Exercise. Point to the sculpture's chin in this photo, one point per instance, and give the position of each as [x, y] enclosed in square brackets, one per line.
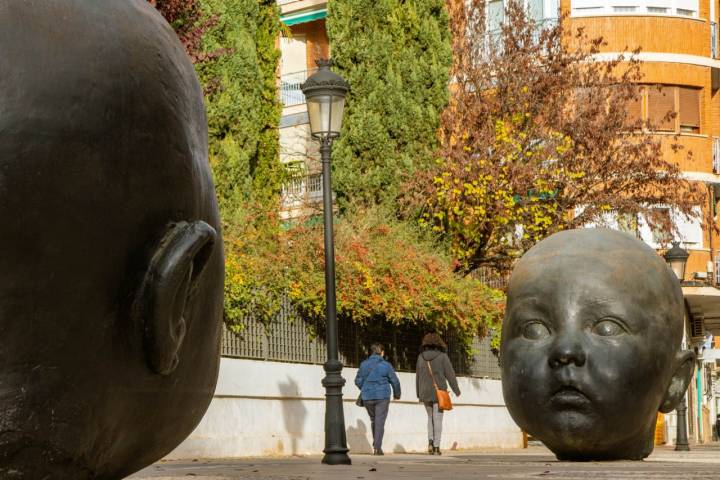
[633, 448]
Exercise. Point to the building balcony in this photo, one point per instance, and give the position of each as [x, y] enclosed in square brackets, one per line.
[292, 6]
[290, 92]
[302, 196]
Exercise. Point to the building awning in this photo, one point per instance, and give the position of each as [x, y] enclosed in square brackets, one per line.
[296, 18]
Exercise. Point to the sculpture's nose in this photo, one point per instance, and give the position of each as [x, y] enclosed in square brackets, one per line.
[567, 349]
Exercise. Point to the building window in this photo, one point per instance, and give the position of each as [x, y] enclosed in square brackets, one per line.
[538, 10]
[588, 8]
[659, 236]
[634, 112]
[689, 109]
[660, 108]
[495, 15]
[666, 108]
[689, 230]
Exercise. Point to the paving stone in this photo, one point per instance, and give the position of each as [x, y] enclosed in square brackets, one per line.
[535, 463]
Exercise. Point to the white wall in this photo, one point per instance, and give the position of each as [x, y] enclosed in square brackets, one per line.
[269, 408]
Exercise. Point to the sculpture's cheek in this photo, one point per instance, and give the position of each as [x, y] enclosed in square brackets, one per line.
[526, 380]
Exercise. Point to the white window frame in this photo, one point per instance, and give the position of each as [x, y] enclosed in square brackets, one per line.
[595, 8]
[690, 231]
[548, 6]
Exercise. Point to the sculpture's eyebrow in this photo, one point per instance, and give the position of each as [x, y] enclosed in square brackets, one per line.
[531, 302]
[600, 301]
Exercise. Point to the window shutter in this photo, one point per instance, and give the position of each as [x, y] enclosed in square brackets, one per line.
[634, 111]
[660, 102]
[689, 108]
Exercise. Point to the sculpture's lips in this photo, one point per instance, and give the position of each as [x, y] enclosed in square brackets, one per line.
[569, 396]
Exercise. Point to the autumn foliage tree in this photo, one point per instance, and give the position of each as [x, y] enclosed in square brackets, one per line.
[537, 139]
[190, 25]
[386, 271]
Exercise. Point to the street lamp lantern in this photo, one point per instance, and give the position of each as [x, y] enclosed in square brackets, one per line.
[677, 258]
[325, 94]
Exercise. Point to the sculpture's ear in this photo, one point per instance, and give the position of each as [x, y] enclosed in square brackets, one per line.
[684, 367]
[176, 265]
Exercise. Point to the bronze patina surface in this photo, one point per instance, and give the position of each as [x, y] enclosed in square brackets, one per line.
[591, 344]
[112, 264]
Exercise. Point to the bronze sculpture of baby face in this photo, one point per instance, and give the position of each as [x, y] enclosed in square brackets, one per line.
[591, 344]
[111, 264]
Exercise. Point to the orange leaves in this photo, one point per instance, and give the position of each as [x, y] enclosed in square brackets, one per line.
[384, 270]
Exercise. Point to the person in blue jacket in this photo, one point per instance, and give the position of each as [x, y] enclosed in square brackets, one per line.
[375, 377]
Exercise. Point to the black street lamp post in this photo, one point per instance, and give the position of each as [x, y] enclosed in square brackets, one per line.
[677, 258]
[325, 93]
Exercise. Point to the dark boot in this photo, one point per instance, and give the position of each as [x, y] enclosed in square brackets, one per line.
[430, 447]
[436, 451]
[378, 451]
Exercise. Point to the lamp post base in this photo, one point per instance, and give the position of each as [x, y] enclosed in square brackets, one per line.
[336, 458]
[336, 451]
[681, 438]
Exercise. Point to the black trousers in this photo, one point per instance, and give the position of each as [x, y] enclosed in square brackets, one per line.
[378, 411]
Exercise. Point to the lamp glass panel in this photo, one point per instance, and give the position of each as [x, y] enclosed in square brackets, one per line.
[678, 267]
[338, 106]
[319, 113]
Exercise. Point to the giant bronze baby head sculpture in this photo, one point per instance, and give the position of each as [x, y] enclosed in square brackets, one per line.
[591, 344]
[111, 262]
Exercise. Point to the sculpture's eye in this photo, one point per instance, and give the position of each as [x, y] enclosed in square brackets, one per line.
[608, 328]
[535, 331]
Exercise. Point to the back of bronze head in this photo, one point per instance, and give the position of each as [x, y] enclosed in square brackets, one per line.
[111, 285]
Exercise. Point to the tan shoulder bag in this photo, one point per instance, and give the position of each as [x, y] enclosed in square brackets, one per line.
[443, 397]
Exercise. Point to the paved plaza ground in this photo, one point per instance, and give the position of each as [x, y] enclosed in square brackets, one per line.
[537, 463]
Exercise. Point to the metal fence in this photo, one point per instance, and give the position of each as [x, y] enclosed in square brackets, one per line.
[290, 338]
[493, 278]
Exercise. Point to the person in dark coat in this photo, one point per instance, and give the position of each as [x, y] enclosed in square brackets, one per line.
[433, 355]
[374, 378]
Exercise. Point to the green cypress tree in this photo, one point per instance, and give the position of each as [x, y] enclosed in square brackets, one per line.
[243, 111]
[396, 55]
[243, 116]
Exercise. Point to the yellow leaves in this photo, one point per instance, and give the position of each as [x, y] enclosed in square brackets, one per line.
[296, 290]
[365, 273]
[444, 297]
